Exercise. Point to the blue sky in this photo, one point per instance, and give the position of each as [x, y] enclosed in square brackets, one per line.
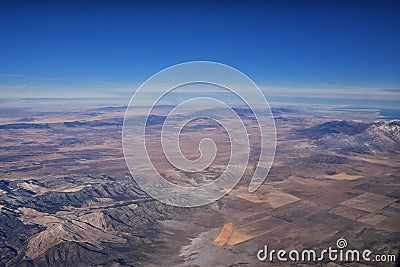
[100, 48]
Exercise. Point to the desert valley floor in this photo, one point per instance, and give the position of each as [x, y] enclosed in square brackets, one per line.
[68, 199]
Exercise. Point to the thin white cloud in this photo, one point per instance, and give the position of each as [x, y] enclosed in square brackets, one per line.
[50, 79]
[10, 75]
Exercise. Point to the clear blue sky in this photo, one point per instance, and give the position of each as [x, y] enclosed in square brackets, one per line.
[49, 46]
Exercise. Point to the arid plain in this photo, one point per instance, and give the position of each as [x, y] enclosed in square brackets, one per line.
[67, 197]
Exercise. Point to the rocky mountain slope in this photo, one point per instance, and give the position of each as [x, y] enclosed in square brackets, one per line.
[359, 137]
[86, 221]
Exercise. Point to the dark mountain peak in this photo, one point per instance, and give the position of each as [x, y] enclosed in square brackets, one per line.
[336, 127]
